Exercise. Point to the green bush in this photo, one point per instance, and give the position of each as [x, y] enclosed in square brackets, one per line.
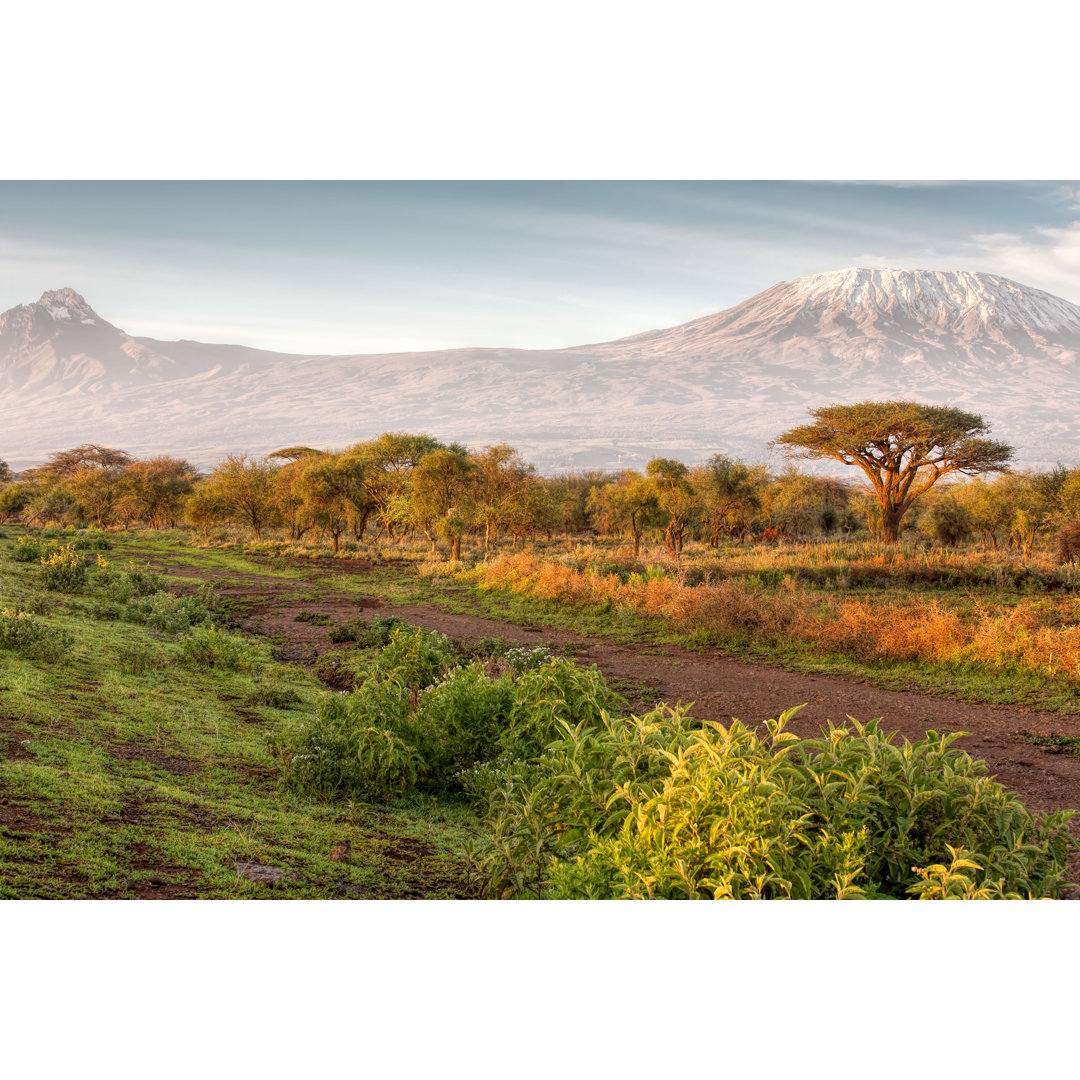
[458, 722]
[22, 633]
[524, 658]
[350, 747]
[381, 629]
[353, 630]
[653, 807]
[415, 658]
[209, 647]
[27, 549]
[91, 542]
[167, 614]
[142, 582]
[63, 570]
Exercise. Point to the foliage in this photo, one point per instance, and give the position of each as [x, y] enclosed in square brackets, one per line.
[167, 614]
[1068, 543]
[63, 570]
[27, 549]
[651, 807]
[21, 632]
[903, 447]
[210, 647]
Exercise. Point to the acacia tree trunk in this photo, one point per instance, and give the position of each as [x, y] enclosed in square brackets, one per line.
[890, 523]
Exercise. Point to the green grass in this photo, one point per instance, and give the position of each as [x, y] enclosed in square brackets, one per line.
[126, 771]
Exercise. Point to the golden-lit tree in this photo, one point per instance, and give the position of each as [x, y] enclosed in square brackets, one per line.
[903, 447]
[632, 502]
[677, 500]
[154, 491]
[245, 487]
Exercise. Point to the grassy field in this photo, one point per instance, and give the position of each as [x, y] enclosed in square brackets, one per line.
[132, 765]
[136, 720]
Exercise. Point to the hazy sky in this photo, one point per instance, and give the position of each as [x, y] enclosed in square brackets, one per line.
[377, 266]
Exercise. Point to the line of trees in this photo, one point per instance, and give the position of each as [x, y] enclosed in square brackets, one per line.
[402, 485]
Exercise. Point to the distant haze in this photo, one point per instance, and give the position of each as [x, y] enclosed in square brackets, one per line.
[725, 383]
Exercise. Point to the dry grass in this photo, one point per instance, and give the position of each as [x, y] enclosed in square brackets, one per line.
[1037, 634]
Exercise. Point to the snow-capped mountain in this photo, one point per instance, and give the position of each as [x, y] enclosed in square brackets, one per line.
[727, 382]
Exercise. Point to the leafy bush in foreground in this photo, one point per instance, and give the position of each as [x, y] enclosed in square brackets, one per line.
[579, 802]
[63, 570]
[649, 807]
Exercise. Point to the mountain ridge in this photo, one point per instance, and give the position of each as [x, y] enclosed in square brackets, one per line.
[726, 382]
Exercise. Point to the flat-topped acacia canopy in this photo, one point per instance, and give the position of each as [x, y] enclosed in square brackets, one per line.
[904, 448]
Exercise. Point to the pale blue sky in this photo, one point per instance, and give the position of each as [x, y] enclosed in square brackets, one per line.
[376, 266]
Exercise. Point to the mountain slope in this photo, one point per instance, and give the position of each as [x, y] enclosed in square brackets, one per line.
[727, 382]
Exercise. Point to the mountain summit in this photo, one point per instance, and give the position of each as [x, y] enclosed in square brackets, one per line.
[862, 318]
[727, 382]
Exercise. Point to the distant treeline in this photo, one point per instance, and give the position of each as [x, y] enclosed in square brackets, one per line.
[401, 485]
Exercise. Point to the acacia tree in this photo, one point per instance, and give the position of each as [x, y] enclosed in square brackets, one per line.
[677, 499]
[631, 502]
[154, 490]
[246, 487]
[440, 496]
[328, 483]
[730, 494]
[388, 461]
[903, 447]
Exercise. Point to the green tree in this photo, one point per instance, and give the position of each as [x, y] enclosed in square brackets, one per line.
[14, 499]
[205, 506]
[501, 476]
[632, 502]
[328, 484]
[903, 447]
[440, 499]
[154, 491]
[245, 486]
[388, 463]
[730, 494]
[677, 500]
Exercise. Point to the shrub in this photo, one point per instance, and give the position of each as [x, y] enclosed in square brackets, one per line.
[1068, 543]
[524, 658]
[167, 614]
[27, 549]
[353, 630]
[650, 807]
[107, 612]
[381, 629]
[21, 632]
[63, 570]
[91, 543]
[209, 647]
[142, 581]
[350, 747]
[415, 658]
[458, 722]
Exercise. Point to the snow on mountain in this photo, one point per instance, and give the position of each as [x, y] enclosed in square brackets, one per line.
[728, 382]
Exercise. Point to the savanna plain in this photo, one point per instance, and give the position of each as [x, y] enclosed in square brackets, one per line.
[409, 670]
